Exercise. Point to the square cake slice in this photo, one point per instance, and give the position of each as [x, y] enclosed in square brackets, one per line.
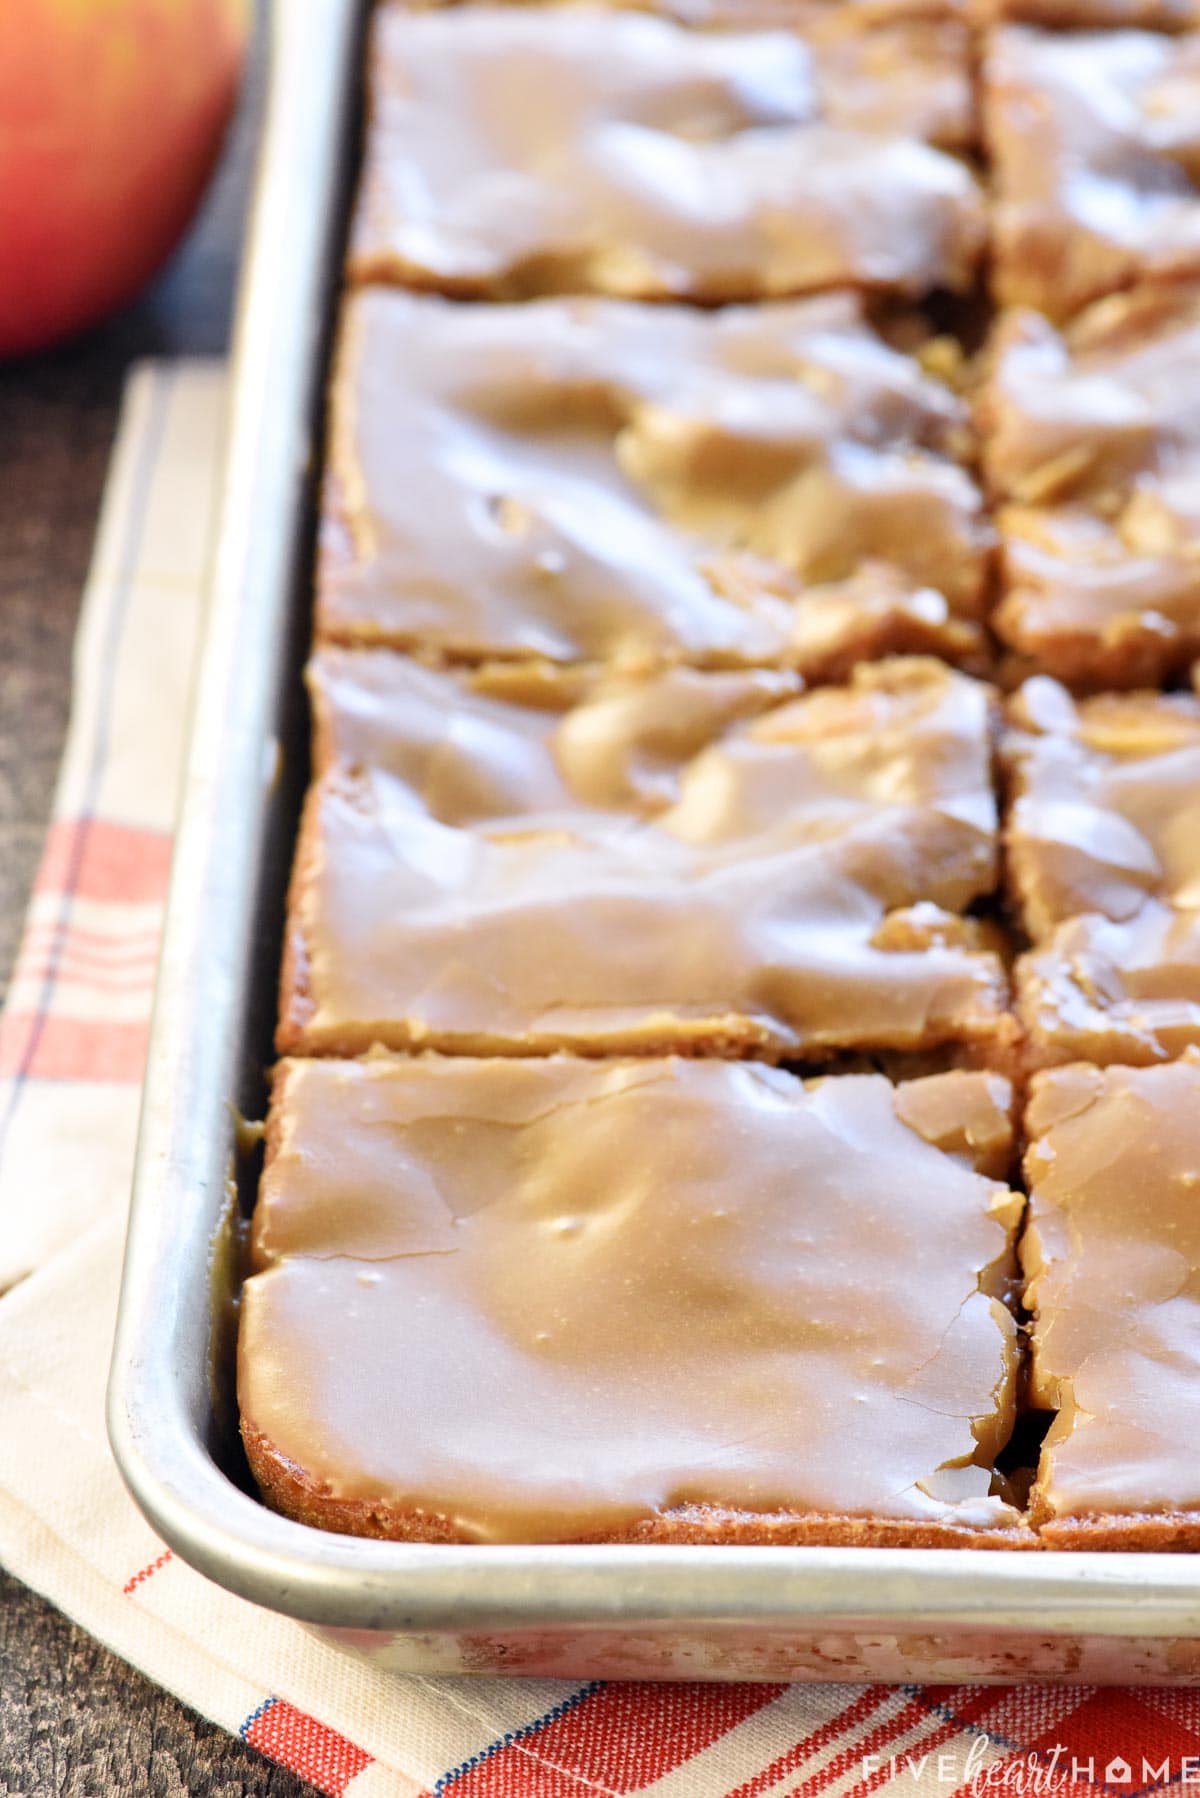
[1111, 1254]
[592, 480]
[1091, 440]
[1105, 807]
[670, 1301]
[899, 66]
[1103, 858]
[1094, 140]
[515, 861]
[1106, 991]
[513, 151]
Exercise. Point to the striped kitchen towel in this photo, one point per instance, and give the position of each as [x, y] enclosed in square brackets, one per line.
[72, 1047]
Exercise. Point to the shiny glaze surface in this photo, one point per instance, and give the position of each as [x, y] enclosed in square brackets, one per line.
[545, 1300]
[1091, 444]
[1112, 1255]
[1107, 992]
[513, 862]
[512, 152]
[1094, 141]
[1103, 857]
[1106, 803]
[590, 479]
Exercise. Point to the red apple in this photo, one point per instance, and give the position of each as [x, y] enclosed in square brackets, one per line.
[111, 116]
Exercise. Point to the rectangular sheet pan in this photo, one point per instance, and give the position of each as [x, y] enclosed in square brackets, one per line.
[720, 1613]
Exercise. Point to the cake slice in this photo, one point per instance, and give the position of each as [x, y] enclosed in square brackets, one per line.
[514, 151]
[1111, 1255]
[1103, 860]
[592, 480]
[514, 861]
[899, 66]
[1091, 446]
[1106, 991]
[1094, 141]
[902, 66]
[1105, 807]
[666, 1301]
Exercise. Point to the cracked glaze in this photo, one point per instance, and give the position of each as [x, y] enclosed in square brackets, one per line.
[553, 1299]
[1112, 1256]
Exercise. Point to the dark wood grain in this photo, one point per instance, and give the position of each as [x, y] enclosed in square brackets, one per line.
[77, 1723]
[74, 1720]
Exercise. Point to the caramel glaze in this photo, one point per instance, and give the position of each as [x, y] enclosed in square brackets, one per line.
[511, 153]
[591, 480]
[1106, 803]
[1108, 992]
[1095, 412]
[544, 1301]
[1112, 1257]
[1091, 438]
[516, 861]
[1103, 858]
[508, 1300]
[898, 66]
[1094, 141]
[1094, 606]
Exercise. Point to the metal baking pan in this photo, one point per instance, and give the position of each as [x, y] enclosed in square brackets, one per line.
[579, 1612]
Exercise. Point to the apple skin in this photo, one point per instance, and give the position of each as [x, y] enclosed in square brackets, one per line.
[111, 117]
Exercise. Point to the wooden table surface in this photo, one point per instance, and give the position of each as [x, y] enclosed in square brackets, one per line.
[74, 1720]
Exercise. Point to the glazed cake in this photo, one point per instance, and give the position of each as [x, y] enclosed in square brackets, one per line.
[1111, 1255]
[589, 479]
[1091, 448]
[755, 789]
[514, 151]
[608, 863]
[677, 1351]
[902, 66]
[1103, 857]
[1094, 141]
